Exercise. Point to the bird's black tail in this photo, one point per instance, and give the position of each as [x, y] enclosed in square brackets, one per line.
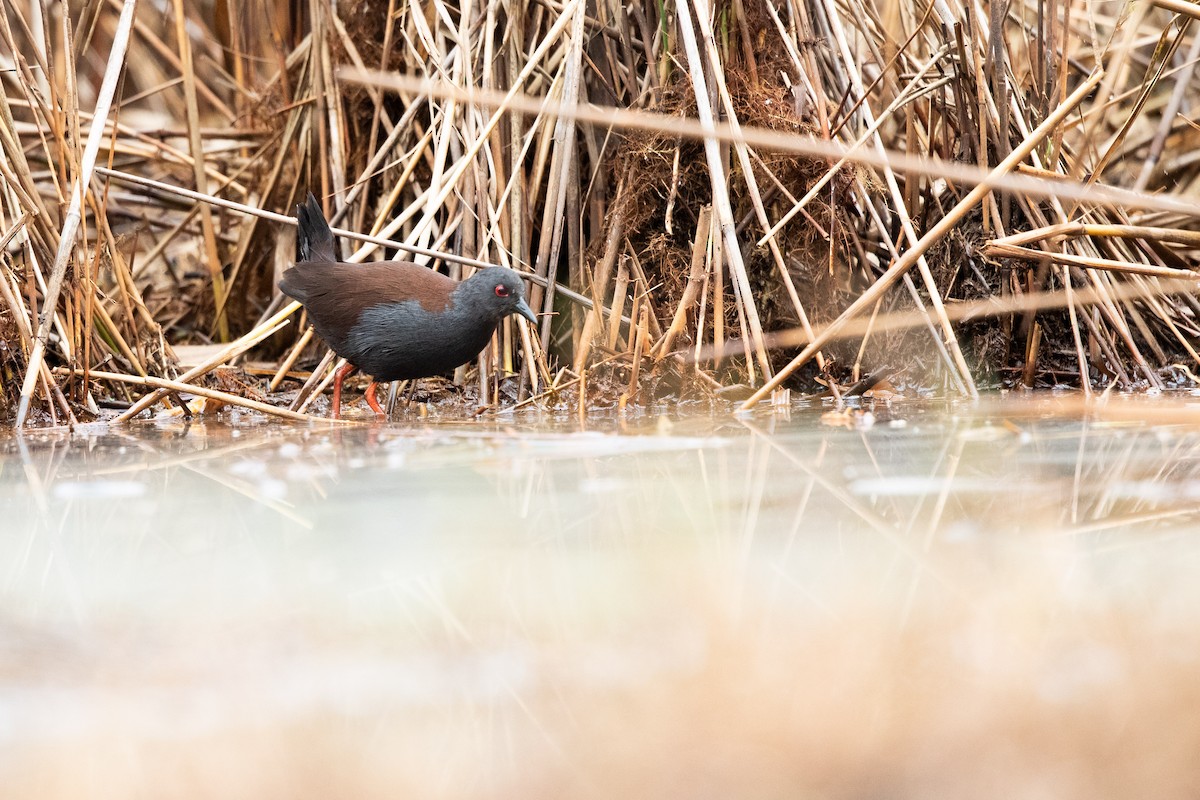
[314, 242]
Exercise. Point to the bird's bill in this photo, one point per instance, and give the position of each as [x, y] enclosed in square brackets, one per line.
[525, 311]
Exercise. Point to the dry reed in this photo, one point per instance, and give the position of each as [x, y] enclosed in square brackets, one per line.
[770, 194]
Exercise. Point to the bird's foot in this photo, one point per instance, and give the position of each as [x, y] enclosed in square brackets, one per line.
[373, 402]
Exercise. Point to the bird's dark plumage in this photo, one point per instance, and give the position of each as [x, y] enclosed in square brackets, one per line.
[396, 320]
[315, 240]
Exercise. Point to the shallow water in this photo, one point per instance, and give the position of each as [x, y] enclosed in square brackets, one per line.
[994, 600]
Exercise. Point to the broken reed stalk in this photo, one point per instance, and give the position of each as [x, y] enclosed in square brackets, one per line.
[995, 248]
[695, 283]
[1185, 7]
[1032, 185]
[161, 385]
[235, 349]
[70, 228]
[1078, 229]
[963, 311]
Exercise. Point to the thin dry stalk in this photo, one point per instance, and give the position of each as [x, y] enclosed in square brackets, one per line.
[166, 386]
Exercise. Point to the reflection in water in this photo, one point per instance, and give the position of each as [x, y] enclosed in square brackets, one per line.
[990, 603]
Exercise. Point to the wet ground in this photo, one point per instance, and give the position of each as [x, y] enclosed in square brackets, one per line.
[931, 600]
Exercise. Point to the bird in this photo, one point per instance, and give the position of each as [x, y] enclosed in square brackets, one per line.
[394, 320]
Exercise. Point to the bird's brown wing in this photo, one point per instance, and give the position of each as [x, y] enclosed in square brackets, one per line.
[336, 294]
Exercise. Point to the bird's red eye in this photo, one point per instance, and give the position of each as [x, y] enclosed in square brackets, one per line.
[502, 291]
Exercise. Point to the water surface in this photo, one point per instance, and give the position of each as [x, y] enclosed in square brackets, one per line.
[990, 601]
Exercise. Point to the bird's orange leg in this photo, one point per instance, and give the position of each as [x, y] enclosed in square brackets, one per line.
[372, 402]
[338, 377]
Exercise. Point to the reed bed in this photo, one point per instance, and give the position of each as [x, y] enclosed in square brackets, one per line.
[710, 199]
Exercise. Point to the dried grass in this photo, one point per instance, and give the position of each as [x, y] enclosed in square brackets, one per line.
[830, 140]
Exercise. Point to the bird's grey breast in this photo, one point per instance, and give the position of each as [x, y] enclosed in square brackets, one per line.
[398, 341]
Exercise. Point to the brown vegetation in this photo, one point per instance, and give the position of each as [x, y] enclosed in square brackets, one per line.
[646, 161]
